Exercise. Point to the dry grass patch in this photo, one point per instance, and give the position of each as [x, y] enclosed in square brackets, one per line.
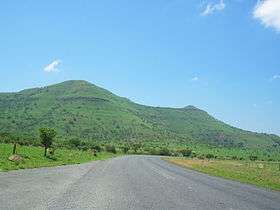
[263, 174]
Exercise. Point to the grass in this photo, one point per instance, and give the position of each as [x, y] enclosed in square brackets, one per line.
[78, 109]
[33, 157]
[259, 173]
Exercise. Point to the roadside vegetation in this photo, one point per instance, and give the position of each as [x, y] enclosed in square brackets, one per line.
[32, 157]
[260, 173]
[258, 167]
[17, 153]
[79, 109]
[92, 123]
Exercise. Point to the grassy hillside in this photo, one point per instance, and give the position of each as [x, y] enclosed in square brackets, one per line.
[82, 110]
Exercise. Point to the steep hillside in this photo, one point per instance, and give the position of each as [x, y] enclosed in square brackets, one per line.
[82, 110]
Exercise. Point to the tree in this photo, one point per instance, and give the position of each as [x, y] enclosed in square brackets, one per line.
[47, 135]
[16, 141]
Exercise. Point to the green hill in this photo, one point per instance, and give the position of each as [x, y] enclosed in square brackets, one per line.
[78, 109]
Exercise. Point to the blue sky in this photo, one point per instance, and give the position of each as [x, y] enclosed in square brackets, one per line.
[221, 56]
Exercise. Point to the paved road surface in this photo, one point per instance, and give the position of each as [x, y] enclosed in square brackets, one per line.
[131, 182]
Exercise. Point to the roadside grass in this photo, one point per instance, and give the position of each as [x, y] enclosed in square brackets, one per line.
[33, 157]
[259, 173]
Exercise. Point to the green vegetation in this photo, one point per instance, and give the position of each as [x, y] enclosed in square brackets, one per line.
[89, 120]
[263, 174]
[78, 109]
[47, 135]
[32, 157]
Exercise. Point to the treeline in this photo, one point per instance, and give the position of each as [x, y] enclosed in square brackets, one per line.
[129, 147]
[46, 138]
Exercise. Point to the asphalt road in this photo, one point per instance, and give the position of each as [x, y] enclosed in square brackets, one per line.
[130, 182]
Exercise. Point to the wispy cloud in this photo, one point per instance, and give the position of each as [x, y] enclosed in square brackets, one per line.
[194, 79]
[268, 12]
[53, 66]
[213, 7]
[275, 77]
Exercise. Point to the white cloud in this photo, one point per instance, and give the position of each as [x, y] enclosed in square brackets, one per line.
[268, 12]
[53, 66]
[194, 79]
[211, 8]
[276, 76]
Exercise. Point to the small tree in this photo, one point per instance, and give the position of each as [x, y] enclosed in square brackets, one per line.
[15, 142]
[47, 135]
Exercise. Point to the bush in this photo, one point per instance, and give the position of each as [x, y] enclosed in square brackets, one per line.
[201, 156]
[193, 155]
[186, 152]
[153, 151]
[74, 143]
[209, 156]
[111, 148]
[234, 157]
[83, 146]
[97, 148]
[165, 152]
[125, 149]
[136, 147]
[253, 157]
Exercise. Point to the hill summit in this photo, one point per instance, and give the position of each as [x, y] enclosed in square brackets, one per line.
[79, 109]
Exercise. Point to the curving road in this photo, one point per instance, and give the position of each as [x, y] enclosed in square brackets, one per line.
[130, 182]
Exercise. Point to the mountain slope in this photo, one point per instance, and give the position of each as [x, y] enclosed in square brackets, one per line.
[82, 110]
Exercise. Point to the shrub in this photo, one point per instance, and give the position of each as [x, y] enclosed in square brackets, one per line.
[193, 154]
[201, 156]
[234, 157]
[165, 152]
[111, 148]
[125, 149]
[83, 146]
[186, 152]
[74, 143]
[97, 148]
[253, 157]
[153, 151]
[270, 159]
[136, 147]
[209, 156]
